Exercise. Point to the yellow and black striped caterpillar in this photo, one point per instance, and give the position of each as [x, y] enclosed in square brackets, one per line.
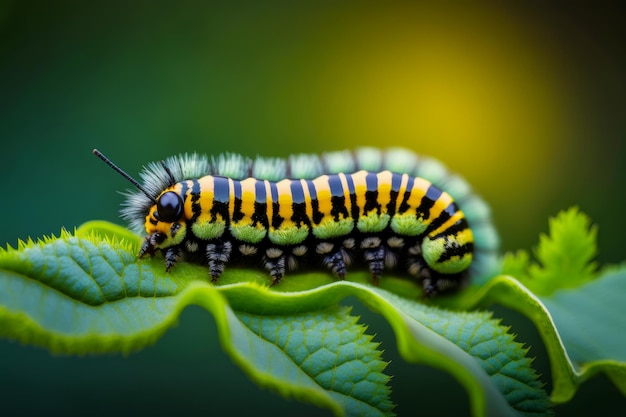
[387, 208]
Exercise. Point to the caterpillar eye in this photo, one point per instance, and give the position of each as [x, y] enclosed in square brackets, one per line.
[169, 207]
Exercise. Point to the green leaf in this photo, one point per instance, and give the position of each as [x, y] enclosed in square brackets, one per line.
[478, 351]
[78, 295]
[329, 350]
[590, 322]
[578, 313]
[83, 293]
[564, 256]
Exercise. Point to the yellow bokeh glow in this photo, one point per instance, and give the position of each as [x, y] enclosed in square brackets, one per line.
[475, 89]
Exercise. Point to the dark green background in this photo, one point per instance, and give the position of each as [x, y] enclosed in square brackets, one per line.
[526, 101]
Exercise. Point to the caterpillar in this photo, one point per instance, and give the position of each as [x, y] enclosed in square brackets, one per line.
[387, 208]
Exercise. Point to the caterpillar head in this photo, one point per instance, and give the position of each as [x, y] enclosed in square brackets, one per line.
[157, 206]
[166, 223]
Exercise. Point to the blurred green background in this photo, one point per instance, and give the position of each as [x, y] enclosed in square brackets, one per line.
[527, 101]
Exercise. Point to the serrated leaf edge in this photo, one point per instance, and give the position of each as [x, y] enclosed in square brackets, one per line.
[565, 377]
[416, 348]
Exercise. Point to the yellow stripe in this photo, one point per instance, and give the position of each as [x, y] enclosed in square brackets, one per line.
[285, 201]
[402, 190]
[323, 194]
[464, 237]
[248, 197]
[231, 198]
[448, 223]
[384, 189]
[440, 205]
[206, 195]
[268, 197]
[418, 192]
[346, 192]
[360, 187]
[186, 199]
[307, 199]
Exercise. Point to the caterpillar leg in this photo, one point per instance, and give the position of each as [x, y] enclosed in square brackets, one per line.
[374, 254]
[433, 283]
[434, 286]
[172, 255]
[417, 267]
[274, 262]
[336, 257]
[376, 262]
[217, 254]
[295, 255]
[151, 244]
[335, 263]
